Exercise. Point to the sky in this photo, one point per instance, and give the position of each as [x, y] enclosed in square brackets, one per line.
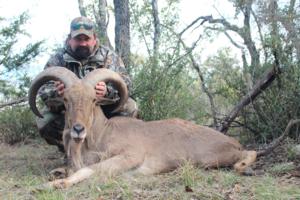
[50, 19]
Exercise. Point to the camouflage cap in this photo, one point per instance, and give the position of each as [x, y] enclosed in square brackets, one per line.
[82, 25]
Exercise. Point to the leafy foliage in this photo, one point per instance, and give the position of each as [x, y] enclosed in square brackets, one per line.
[167, 85]
[224, 79]
[164, 86]
[16, 124]
[272, 111]
[167, 92]
[14, 62]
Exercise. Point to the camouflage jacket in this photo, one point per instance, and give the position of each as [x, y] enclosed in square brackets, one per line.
[102, 57]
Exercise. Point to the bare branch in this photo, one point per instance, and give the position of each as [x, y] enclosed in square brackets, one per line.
[233, 42]
[260, 86]
[244, 32]
[190, 50]
[260, 33]
[13, 102]
[204, 19]
[195, 65]
[203, 86]
[276, 142]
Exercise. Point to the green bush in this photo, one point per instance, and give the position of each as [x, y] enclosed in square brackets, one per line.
[166, 92]
[17, 124]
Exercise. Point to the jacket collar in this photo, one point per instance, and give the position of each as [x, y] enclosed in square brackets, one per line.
[71, 58]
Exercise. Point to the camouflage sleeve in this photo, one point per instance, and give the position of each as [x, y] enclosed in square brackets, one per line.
[48, 92]
[50, 97]
[114, 62]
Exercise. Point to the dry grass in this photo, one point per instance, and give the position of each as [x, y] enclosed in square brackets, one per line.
[25, 167]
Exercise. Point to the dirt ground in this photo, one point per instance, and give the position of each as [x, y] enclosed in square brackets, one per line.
[282, 162]
[26, 166]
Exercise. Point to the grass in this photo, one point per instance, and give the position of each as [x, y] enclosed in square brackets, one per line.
[281, 168]
[25, 167]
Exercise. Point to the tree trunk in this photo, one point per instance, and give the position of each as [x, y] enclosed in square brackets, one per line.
[82, 9]
[122, 30]
[102, 22]
[157, 31]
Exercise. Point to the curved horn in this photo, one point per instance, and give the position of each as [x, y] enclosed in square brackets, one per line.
[107, 75]
[55, 73]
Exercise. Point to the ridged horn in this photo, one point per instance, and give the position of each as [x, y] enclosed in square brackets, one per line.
[107, 75]
[54, 73]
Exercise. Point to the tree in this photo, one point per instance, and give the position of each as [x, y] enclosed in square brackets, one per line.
[15, 63]
[171, 69]
[97, 10]
[122, 30]
[17, 122]
[275, 35]
[163, 86]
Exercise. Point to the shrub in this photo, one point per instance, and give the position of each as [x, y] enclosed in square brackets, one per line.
[17, 124]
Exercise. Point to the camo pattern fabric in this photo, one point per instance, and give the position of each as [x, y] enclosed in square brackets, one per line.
[101, 58]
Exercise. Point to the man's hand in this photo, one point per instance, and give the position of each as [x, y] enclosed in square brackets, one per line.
[101, 89]
[60, 87]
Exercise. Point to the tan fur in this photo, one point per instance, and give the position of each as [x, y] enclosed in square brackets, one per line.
[120, 144]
